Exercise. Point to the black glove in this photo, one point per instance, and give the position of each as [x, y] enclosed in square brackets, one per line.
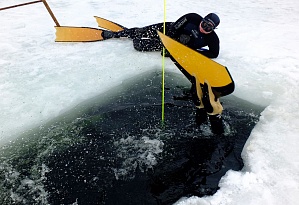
[184, 39]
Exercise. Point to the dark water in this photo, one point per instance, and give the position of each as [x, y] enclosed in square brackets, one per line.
[114, 149]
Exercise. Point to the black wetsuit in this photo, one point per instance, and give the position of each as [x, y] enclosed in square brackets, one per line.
[184, 30]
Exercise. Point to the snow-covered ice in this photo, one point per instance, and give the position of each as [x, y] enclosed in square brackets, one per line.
[40, 79]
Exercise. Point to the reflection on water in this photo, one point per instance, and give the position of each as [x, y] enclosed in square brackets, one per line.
[113, 149]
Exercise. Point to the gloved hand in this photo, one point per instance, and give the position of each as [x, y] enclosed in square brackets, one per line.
[211, 103]
[184, 39]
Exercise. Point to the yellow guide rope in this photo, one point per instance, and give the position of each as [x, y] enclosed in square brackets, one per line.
[163, 64]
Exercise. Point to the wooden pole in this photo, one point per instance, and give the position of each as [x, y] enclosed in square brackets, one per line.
[51, 13]
[24, 4]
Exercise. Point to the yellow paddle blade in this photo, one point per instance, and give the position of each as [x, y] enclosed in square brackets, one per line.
[109, 25]
[196, 64]
[77, 34]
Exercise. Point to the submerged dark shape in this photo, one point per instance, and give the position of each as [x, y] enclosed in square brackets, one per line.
[113, 149]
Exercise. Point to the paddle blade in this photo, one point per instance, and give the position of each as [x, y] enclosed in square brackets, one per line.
[77, 34]
[199, 66]
[109, 25]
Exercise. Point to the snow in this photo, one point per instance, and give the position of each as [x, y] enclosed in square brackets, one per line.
[40, 79]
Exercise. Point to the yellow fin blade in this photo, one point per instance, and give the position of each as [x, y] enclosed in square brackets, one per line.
[77, 34]
[199, 66]
[109, 25]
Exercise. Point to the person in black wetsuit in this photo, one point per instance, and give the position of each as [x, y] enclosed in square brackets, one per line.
[198, 34]
[191, 30]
